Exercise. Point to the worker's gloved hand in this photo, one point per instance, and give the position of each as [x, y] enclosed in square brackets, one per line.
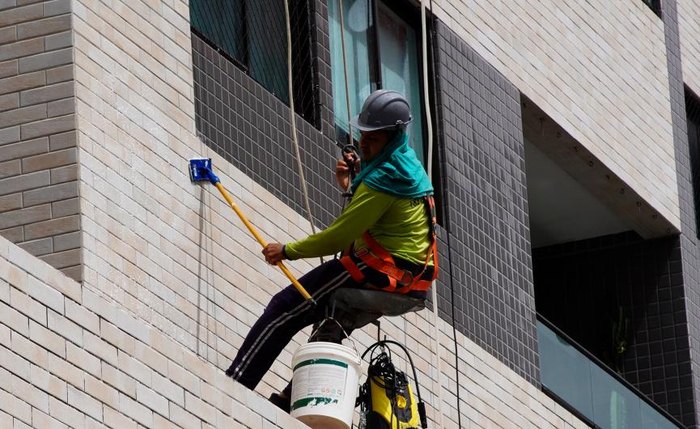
[274, 253]
[348, 163]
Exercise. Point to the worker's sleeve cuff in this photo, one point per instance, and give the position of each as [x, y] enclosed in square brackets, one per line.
[289, 252]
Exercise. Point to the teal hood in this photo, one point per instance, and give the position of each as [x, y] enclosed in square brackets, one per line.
[396, 171]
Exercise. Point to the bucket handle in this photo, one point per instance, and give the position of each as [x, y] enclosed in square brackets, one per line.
[354, 346]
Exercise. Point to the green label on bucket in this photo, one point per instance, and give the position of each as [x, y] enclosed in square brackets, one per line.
[321, 361]
[313, 401]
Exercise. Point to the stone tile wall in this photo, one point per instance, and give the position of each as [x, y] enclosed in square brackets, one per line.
[39, 204]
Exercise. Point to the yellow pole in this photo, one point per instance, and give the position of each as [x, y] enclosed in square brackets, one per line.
[262, 242]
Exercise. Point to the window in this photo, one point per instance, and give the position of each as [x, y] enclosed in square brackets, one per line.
[692, 107]
[252, 34]
[382, 52]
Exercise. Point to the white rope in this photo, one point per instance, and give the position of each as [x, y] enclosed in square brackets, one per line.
[429, 124]
[293, 120]
[345, 66]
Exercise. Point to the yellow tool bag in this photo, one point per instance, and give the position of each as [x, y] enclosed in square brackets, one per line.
[386, 398]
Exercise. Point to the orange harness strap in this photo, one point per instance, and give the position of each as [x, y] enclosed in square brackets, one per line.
[377, 258]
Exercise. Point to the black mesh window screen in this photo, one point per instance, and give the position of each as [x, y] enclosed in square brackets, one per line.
[253, 34]
[692, 106]
[304, 78]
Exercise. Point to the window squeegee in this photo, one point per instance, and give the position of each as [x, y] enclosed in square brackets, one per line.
[201, 171]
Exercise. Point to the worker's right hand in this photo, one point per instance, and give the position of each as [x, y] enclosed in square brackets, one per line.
[342, 169]
[274, 253]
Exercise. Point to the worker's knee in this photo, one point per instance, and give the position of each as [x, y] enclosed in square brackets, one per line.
[288, 299]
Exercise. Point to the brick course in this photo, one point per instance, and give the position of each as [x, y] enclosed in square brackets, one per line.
[598, 70]
[36, 107]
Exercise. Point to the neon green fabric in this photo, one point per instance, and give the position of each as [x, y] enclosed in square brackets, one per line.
[400, 225]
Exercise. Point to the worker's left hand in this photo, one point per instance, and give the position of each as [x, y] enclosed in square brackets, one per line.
[274, 253]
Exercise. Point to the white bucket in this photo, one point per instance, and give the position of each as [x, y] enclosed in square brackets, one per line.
[325, 383]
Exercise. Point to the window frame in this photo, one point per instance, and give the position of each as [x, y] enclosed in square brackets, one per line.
[692, 110]
[411, 16]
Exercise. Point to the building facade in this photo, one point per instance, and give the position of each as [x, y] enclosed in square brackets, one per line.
[562, 138]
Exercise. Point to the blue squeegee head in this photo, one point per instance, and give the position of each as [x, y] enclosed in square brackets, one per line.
[200, 169]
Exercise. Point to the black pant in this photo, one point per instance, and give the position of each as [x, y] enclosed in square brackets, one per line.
[288, 313]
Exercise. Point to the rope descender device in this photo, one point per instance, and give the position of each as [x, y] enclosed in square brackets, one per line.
[201, 171]
[351, 150]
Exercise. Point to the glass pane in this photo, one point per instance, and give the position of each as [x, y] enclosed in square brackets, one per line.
[614, 406]
[591, 389]
[221, 22]
[267, 28]
[398, 52]
[652, 419]
[565, 371]
[357, 18]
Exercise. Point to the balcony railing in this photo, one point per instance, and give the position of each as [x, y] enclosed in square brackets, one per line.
[590, 389]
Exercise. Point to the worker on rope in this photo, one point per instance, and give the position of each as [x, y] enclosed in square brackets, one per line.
[386, 231]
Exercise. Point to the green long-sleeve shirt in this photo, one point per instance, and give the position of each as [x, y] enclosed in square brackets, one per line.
[400, 225]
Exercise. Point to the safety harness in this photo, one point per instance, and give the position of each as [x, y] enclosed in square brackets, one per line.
[376, 257]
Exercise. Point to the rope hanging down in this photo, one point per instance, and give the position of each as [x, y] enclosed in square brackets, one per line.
[429, 123]
[292, 117]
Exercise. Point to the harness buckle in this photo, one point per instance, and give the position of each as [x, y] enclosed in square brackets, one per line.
[406, 279]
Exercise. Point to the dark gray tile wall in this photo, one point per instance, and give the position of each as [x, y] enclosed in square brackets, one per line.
[581, 286]
[483, 170]
[250, 127]
[688, 238]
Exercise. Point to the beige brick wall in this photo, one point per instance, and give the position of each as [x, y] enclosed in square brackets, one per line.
[689, 26]
[597, 68]
[69, 358]
[141, 217]
[39, 202]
